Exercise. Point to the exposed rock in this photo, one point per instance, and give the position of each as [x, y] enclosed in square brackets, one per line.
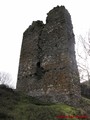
[48, 68]
[85, 89]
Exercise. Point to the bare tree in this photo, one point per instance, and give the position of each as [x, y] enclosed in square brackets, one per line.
[5, 78]
[83, 56]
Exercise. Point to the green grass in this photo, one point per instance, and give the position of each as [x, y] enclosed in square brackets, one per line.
[17, 106]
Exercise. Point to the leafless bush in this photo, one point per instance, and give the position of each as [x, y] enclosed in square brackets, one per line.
[5, 79]
[83, 56]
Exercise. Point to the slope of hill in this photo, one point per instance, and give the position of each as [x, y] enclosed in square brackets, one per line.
[17, 106]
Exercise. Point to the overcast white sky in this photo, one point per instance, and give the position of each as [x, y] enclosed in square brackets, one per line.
[17, 15]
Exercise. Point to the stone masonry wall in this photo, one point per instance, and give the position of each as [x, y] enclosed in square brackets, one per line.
[48, 68]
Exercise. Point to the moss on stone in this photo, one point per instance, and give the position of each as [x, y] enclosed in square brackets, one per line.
[17, 106]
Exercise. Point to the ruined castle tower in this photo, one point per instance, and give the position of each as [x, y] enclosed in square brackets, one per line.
[48, 68]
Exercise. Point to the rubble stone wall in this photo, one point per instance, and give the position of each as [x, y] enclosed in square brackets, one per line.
[48, 68]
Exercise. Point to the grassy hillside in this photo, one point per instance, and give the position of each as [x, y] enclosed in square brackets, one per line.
[17, 106]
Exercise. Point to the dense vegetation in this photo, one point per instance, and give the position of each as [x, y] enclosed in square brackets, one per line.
[17, 106]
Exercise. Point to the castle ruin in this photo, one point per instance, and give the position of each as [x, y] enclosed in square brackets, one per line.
[48, 68]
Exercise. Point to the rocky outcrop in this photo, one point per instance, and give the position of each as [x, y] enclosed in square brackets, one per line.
[85, 89]
[48, 68]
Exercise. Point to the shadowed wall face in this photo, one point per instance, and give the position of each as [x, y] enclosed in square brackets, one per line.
[48, 68]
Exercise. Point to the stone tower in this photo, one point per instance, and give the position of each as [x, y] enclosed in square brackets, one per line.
[48, 68]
